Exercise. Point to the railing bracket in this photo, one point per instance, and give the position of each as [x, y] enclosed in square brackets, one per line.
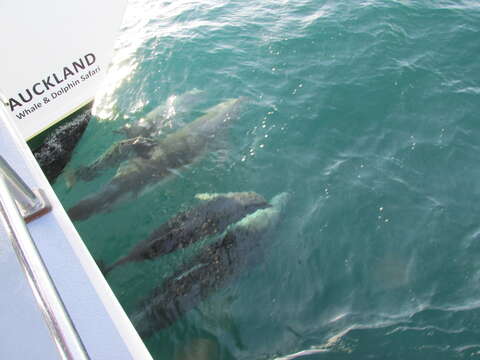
[43, 206]
[31, 203]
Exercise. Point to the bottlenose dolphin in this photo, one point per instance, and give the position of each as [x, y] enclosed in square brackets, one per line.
[162, 116]
[154, 160]
[211, 216]
[209, 270]
[141, 135]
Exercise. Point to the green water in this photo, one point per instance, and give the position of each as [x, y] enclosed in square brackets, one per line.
[367, 113]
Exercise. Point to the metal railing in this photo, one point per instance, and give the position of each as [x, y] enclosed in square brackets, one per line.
[18, 205]
[30, 203]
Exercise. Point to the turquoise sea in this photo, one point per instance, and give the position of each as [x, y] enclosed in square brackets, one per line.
[367, 113]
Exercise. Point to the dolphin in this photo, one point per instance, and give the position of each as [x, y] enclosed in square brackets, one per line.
[209, 270]
[154, 160]
[211, 216]
[140, 135]
[163, 115]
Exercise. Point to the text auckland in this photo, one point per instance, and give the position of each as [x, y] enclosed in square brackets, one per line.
[51, 81]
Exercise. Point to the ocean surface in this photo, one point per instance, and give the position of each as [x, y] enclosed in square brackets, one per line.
[367, 113]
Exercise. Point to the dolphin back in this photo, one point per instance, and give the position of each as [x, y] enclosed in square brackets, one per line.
[210, 217]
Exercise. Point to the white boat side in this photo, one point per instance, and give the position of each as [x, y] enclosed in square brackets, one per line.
[103, 327]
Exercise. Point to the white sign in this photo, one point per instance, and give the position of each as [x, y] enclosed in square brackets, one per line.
[53, 55]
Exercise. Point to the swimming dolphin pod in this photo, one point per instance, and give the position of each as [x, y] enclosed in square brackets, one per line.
[211, 216]
[151, 160]
[209, 270]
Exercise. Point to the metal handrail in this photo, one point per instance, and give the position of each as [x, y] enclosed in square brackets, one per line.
[58, 321]
[17, 201]
[31, 203]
